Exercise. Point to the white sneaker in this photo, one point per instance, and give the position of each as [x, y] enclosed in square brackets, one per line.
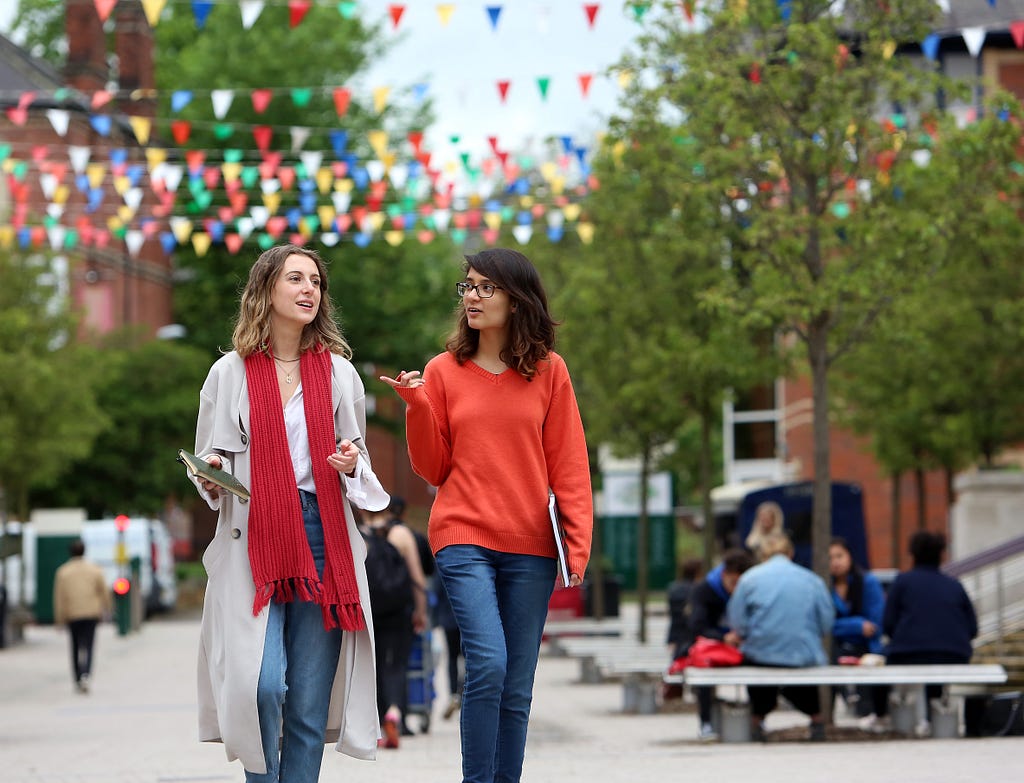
[873, 723]
[923, 729]
[707, 733]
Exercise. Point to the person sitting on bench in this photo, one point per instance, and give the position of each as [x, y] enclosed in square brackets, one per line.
[781, 611]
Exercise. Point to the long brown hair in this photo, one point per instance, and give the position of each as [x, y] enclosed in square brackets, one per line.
[531, 328]
[252, 327]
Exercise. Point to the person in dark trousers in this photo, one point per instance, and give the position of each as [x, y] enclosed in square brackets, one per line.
[928, 616]
[678, 594]
[444, 617]
[81, 598]
[706, 616]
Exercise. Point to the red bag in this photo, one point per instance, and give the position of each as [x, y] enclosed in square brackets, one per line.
[706, 653]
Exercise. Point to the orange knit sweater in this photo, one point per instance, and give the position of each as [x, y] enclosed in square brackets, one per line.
[492, 445]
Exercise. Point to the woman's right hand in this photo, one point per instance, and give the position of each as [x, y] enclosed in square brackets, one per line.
[209, 486]
[404, 380]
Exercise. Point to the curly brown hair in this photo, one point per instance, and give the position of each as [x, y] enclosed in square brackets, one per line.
[531, 328]
[252, 326]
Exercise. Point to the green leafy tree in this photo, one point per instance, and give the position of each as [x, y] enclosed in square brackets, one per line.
[783, 101]
[149, 396]
[48, 410]
[39, 25]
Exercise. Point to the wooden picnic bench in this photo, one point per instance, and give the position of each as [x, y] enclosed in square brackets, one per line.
[968, 674]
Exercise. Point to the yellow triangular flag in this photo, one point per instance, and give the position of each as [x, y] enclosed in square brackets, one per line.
[272, 201]
[181, 227]
[586, 232]
[343, 185]
[888, 49]
[376, 220]
[153, 9]
[141, 126]
[493, 220]
[326, 214]
[155, 156]
[201, 243]
[324, 178]
[60, 195]
[380, 98]
[95, 172]
[231, 171]
[6, 237]
[378, 142]
[444, 13]
[121, 185]
[571, 211]
[394, 238]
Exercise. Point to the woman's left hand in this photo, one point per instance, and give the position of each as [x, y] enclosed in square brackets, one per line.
[575, 580]
[345, 458]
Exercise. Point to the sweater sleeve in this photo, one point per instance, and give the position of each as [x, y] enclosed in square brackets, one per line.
[565, 451]
[427, 431]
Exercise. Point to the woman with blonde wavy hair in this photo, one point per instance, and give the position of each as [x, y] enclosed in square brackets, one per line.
[768, 522]
[286, 659]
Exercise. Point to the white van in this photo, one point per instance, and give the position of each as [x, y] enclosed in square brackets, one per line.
[149, 541]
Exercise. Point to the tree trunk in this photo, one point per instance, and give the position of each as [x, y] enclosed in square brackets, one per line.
[705, 489]
[642, 545]
[897, 503]
[821, 522]
[922, 508]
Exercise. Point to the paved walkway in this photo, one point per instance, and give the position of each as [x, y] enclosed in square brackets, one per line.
[138, 726]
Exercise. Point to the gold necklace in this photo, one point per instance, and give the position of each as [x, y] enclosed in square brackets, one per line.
[287, 375]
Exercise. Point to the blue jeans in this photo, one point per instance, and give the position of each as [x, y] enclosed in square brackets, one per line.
[500, 601]
[300, 658]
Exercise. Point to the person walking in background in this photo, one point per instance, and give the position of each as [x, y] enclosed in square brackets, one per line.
[398, 594]
[81, 598]
[706, 616]
[780, 612]
[286, 659]
[768, 521]
[859, 602]
[493, 423]
[929, 618]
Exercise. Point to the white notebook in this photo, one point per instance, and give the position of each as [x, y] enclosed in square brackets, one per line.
[560, 543]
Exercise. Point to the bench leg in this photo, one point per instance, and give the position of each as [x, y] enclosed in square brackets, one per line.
[734, 721]
[590, 672]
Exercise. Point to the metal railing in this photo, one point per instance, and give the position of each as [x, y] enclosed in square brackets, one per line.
[994, 579]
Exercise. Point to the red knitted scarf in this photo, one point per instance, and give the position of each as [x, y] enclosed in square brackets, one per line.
[282, 563]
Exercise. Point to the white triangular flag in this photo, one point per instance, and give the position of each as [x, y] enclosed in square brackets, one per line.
[259, 216]
[79, 158]
[55, 210]
[56, 235]
[441, 218]
[375, 169]
[330, 238]
[221, 100]
[48, 182]
[244, 226]
[341, 201]
[398, 175]
[974, 37]
[251, 10]
[522, 234]
[133, 198]
[299, 137]
[311, 162]
[134, 240]
[59, 119]
[172, 176]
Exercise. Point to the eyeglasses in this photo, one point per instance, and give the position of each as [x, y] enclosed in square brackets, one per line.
[483, 290]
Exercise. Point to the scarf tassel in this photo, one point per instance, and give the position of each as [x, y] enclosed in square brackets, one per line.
[285, 591]
[348, 617]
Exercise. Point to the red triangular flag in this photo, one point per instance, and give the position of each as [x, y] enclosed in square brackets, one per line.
[416, 140]
[755, 73]
[1017, 31]
[297, 10]
[181, 130]
[233, 243]
[342, 98]
[395, 11]
[503, 89]
[591, 10]
[104, 7]
[286, 175]
[262, 134]
[688, 6]
[585, 79]
[261, 100]
[493, 141]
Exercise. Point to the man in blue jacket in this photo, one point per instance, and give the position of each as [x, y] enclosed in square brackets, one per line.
[781, 611]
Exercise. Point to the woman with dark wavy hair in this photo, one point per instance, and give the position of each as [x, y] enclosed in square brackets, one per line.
[493, 424]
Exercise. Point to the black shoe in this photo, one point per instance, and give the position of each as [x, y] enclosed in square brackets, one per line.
[817, 732]
[757, 732]
[406, 731]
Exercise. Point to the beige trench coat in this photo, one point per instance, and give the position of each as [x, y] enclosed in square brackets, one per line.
[231, 638]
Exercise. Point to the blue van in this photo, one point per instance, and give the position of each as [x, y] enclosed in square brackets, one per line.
[796, 500]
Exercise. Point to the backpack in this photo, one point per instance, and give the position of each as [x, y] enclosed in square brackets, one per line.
[387, 575]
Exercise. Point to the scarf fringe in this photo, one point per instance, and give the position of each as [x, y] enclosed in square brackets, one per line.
[347, 617]
[285, 591]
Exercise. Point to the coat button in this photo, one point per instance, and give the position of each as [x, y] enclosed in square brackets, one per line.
[245, 438]
[236, 533]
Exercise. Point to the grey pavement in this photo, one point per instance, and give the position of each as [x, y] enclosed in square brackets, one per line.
[138, 726]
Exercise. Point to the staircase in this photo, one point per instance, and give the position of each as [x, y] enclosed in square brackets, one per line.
[994, 579]
[1010, 653]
